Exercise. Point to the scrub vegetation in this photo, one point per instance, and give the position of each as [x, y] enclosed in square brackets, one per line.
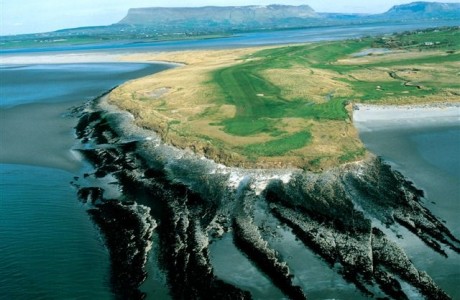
[291, 105]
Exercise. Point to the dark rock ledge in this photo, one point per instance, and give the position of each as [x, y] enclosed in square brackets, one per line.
[127, 229]
[249, 240]
[320, 208]
[181, 218]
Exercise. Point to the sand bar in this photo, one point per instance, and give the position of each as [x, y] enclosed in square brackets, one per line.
[59, 58]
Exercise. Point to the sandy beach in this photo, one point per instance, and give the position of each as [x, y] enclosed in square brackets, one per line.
[372, 117]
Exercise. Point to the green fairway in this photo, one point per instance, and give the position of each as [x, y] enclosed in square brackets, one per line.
[259, 102]
[256, 98]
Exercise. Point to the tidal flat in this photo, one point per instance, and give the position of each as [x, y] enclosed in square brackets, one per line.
[423, 143]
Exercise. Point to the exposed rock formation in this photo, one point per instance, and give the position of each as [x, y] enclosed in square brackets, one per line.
[336, 214]
[127, 229]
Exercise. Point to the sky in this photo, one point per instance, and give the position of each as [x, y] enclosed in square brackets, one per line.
[33, 16]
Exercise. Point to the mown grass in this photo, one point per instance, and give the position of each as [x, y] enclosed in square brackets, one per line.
[257, 99]
[247, 126]
[260, 106]
[374, 91]
[350, 155]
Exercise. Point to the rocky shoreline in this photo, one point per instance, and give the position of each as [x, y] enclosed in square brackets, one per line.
[338, 214]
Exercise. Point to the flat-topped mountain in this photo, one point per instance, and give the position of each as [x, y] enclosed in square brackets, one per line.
[221, 18]
[426, 9]
[213, 15]
[213, 19]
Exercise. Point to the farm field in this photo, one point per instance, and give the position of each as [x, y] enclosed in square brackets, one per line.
[290, 105]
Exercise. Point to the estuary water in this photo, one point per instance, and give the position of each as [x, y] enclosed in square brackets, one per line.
[49, 247]
[312, 34]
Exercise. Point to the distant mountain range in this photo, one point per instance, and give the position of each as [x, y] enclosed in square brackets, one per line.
[229, 15]
[160, 23]
[272, 16]
[221, 18]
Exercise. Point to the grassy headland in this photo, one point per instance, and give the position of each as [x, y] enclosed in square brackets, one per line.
[291, 105]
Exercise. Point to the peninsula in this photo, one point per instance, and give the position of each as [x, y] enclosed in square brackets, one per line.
[258, 112]
[291, 105]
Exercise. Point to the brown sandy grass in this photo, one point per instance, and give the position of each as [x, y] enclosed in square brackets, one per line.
[307, 83]
[428, 80]
[445, 75]
[185, 90]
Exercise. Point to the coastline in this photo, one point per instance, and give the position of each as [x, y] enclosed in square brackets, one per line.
[278, 114]
[157, 102]
[222, 198]
[422, 143]
[41, 132]
[241, 177]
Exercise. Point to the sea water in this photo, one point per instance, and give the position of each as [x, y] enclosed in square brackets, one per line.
[250, 39]
[49, 247]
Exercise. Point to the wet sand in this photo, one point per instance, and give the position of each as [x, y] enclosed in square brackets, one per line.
[35, 126]
[38, 135]
[378, 117]
[423, 143]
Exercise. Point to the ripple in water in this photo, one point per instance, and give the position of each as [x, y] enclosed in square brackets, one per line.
[39, 213]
